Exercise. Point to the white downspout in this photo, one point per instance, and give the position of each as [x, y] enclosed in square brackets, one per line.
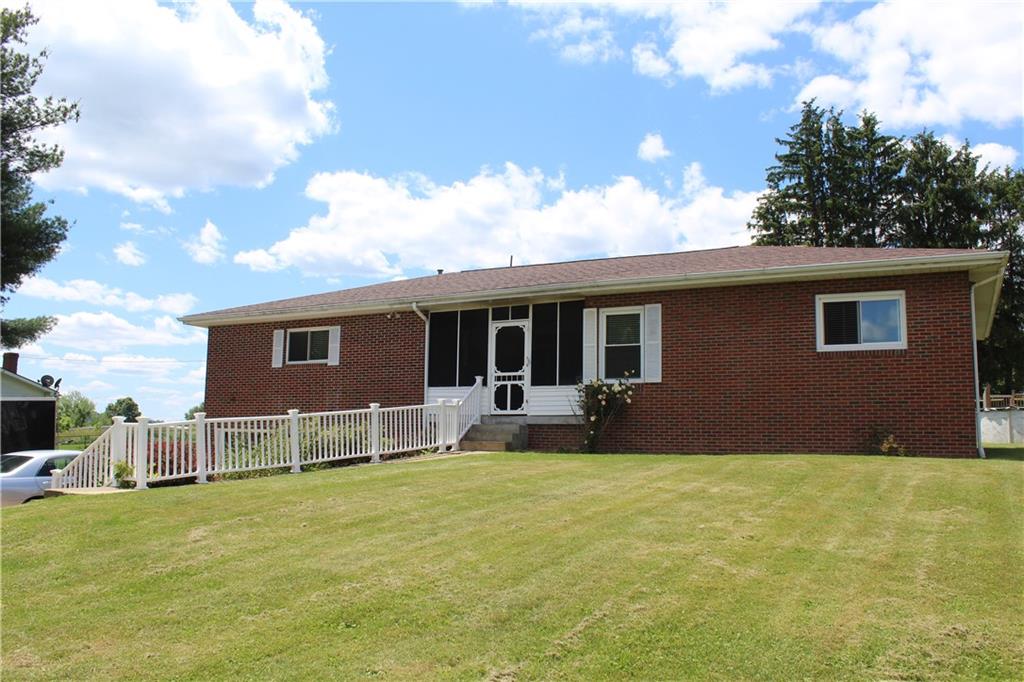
[977, 378]
[426, 351]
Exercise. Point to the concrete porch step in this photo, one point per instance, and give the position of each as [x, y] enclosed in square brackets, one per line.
[489, 436]
[485, 445]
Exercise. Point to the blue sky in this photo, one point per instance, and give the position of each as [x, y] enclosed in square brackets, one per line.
[231, 154]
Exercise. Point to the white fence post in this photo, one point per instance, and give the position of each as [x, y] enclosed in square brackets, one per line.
[141, 452]
[293, 439]
[442, 424]
[200, 418]
[118, 432]
[452, 418]
[56, 478]
[118, 444]
[374, 432]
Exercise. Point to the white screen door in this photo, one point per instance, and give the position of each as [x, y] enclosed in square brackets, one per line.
[510, 367]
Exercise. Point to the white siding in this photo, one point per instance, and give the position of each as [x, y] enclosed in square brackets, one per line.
[552, 401]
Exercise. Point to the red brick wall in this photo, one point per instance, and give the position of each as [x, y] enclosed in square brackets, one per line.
[381, 361]
[741, 373]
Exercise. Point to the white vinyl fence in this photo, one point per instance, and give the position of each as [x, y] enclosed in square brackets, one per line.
[1002, 426]
[200, 447]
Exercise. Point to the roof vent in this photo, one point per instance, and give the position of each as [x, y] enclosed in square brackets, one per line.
[440, 271]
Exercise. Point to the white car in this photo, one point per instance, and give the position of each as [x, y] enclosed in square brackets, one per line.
[25, 475]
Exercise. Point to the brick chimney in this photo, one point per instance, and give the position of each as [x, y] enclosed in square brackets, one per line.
[11, 362]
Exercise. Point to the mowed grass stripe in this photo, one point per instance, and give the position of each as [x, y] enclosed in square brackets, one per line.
[531, 566]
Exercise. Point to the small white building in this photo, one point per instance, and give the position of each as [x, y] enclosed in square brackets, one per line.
[28, 411]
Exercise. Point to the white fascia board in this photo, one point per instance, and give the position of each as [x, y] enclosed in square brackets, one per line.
[871, 268]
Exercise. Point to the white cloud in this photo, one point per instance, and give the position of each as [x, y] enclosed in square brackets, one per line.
[915, 63]
[716, 42]
[648, 62]
[91, 291]
[132, 227]
[206, 247]
[380, 227]
[992, 153]
[713, 217]
[995, 155]
[105, 331]
[164, 386]
[180, 97]
[579, 38]
[652, 148]
[128, 253]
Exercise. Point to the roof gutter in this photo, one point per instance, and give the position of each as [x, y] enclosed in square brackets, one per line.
[677, 281]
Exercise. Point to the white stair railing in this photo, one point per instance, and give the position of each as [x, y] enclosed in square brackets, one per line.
[200, 447]
[469, 409]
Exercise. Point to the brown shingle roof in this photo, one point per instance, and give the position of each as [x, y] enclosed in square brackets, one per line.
[582, 273]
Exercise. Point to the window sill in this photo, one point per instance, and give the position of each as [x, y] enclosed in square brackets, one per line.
[861, 347]
[306, 362]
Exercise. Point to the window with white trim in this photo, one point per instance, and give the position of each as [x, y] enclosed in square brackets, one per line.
[308, 345]
[622, 347]
[873, 320]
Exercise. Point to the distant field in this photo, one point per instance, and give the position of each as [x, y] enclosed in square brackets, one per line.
[79, 439]
[531, 566]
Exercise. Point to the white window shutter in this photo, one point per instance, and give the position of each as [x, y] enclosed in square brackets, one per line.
[334, 347]
[278, 358]
[652, 342]
[589, 344]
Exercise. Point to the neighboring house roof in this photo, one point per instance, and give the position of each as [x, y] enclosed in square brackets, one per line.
[712, 267]
[14, 387]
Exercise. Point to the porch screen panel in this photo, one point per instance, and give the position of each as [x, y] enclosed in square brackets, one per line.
[544, 355]
[570, 343]
[442, 357]
[473, 326]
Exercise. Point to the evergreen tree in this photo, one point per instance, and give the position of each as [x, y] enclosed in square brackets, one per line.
[832, 185]
[941, 202]
[29, 237]
[839, 185]
[792, 211]
[876, 167]
[1001, 356]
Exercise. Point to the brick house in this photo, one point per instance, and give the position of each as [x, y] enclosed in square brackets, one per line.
[743, 349]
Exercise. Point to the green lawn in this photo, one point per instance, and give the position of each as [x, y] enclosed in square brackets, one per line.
[530, 566]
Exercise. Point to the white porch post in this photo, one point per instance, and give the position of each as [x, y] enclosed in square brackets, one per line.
[118, 444]
[118, 433]
[452, 419]
[293, 440]
[200, 419]
[375, 432]
[442, 424]
[141, 452]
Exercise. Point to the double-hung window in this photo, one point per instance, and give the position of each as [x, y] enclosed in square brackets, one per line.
[308, 345]
[622, 347]
[875, 320]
